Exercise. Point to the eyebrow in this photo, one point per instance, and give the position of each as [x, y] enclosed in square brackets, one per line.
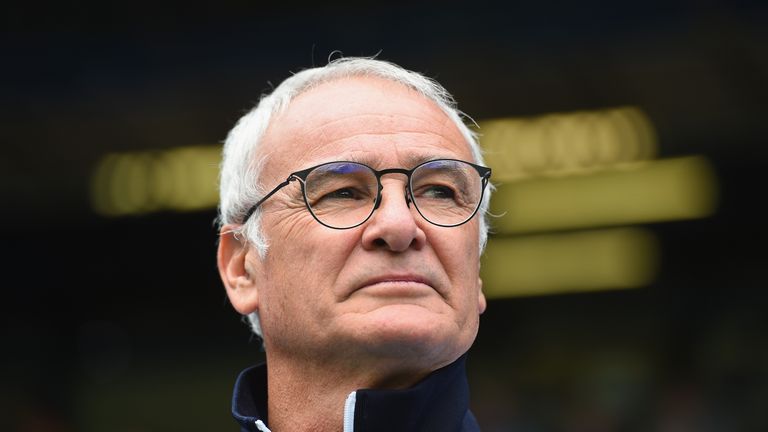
[410, 161]
[414, 160]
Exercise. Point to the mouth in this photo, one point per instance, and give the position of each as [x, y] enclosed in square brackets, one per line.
[397, 285]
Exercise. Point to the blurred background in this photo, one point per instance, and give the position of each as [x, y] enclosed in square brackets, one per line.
[625, 275]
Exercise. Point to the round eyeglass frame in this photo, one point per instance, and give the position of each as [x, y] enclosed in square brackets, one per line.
[301, 176]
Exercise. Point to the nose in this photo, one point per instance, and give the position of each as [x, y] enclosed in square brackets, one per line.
[393, 226]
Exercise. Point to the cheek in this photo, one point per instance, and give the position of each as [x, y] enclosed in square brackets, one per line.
[306, 258]
[458, 250]
[322, 251]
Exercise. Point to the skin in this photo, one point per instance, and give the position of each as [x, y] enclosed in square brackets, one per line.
[377, 306]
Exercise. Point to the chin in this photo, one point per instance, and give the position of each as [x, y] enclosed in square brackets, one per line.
[411, 332]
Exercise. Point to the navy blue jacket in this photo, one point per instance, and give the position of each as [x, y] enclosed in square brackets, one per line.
[439, 403]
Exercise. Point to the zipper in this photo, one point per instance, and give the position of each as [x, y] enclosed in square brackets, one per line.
[349, 412]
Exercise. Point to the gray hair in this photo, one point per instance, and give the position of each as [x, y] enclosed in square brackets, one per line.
[241, 168]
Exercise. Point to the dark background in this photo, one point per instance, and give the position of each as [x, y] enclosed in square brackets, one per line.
[121, 324]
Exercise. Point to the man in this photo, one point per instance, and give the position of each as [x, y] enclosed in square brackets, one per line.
[352, 211]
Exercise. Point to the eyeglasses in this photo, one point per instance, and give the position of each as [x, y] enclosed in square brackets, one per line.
[343, 195]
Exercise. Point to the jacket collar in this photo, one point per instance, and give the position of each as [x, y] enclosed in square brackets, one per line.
[440, 402]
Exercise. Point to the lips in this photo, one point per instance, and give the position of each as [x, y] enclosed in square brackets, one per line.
[395, 279]
[396, 284]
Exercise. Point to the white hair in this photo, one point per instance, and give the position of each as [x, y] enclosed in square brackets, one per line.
[241, 168]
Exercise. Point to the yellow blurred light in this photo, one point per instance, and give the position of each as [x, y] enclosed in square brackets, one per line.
[564, 144]
[181, 179]
[134, 184]
[619, 258]
[124, 192]
[101, 195]
[178, 167]
[652, 191]
[163, 187]
[204, 183]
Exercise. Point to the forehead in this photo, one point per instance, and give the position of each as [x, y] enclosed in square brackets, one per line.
[367, 119]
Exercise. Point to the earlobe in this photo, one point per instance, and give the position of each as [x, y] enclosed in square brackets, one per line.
[240, 283]
[481, 303]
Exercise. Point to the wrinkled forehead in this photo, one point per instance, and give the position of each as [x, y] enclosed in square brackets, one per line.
[370, 115]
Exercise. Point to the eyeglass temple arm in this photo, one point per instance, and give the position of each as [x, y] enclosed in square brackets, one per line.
[258, 203]
[486, 177]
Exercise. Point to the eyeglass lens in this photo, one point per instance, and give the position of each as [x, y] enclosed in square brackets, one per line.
[343, 194]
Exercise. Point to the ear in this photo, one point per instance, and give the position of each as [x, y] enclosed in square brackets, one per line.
[481, 304]
[236, 273]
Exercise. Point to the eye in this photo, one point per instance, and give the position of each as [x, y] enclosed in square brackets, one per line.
[345, 196]
[343, 193]
[436, 192]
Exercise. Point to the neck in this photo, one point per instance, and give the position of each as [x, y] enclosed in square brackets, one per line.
[304, 395]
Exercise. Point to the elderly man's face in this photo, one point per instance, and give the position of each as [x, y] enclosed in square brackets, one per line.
[395, 289]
